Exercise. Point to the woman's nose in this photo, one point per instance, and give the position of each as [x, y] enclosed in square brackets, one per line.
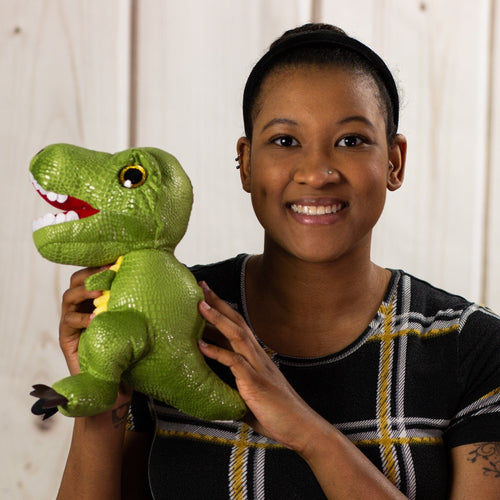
[316, 172]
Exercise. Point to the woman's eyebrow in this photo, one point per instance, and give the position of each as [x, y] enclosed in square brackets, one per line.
[356, 118]
[279, 121]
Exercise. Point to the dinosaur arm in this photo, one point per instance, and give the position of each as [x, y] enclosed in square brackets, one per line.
[103, 280]
[100, 281]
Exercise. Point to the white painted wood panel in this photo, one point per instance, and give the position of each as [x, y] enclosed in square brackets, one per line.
[492, 271]
[190, 77]
[433, 227]
[64, 79]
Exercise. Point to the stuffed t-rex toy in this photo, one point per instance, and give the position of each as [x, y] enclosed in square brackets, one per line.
[130, 208]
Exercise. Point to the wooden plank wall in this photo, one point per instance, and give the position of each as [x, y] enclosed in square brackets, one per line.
[109, 74]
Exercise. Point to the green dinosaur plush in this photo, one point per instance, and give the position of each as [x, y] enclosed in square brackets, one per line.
[131, 208]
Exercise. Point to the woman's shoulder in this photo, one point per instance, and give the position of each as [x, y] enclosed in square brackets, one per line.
[430, 300]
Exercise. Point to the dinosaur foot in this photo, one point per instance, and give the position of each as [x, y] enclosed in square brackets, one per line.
[48, 400]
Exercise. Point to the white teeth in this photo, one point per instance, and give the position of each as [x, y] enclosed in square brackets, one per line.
[51, 219]
[71, 215]
[51, 196]
[48, 219]
[60, 218]
[317, 209]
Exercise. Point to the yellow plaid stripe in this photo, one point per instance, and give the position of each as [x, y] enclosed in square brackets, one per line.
[435, 332]
[399, 441]
[388, 454]
[492, 393]
[237, 468]
[215, 439]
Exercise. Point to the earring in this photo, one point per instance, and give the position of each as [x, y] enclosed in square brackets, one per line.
[237, 159]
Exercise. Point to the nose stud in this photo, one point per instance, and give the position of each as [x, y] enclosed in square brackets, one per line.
[330, 172]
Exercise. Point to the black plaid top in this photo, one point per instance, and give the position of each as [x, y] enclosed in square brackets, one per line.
[424, 377]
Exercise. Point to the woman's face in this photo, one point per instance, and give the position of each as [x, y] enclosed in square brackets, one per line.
[311, 121]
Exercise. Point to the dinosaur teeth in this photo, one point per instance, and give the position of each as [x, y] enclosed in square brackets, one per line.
[50, 195]
[73, 209]
[51, 219]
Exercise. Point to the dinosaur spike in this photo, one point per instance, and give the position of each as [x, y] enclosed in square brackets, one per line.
[48, 401]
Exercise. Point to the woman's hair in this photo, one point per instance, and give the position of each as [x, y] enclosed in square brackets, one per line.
[322, 44]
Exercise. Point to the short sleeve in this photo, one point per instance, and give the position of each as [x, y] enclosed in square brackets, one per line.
[477, 418]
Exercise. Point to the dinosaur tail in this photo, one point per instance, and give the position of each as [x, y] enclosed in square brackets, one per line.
[80, 395]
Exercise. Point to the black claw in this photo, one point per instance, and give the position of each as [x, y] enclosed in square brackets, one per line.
[48, 401]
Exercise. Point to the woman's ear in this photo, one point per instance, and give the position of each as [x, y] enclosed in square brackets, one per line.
[243, 149]
[397, 161]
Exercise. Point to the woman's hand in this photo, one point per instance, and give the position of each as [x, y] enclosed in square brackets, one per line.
[76, 315]
[276, 410]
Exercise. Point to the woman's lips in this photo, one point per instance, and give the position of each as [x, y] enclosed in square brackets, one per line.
[316, 212]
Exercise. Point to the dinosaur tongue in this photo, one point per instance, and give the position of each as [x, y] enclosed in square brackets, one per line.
[68, 203]
[82, 208]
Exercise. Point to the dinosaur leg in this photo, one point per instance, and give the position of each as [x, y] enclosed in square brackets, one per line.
[112, 342]
[183, 379]
[211, 398]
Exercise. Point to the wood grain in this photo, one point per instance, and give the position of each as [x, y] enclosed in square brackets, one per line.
[192, 106]
[434, 226]
[171, 74]
[63, 80]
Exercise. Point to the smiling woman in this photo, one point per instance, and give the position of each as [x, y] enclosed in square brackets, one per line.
[360, 380]
[314, 120]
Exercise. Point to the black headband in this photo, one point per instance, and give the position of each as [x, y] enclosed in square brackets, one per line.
[322, 37]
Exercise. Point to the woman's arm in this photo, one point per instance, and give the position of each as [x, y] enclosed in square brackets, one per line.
[476, 471]
[340, 467]
[93, 468]
[94, 465]
[277, 411]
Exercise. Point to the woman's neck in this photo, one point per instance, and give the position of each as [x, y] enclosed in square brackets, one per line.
[312, 309]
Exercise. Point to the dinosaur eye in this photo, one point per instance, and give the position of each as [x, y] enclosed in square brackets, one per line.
[132, 176]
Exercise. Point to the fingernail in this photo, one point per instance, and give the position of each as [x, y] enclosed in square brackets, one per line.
[204, 305]
[202, 343]
[204, 286]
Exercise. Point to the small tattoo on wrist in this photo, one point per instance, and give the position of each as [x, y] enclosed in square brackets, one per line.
[119, 415]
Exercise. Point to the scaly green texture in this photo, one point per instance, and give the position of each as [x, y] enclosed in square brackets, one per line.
[134, 204]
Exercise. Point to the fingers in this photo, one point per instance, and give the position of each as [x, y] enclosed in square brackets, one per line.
[236, 362]
[76, 314]
[212, 335]
[226, 319]
[78, 278]
[78, 299]
[244, 352]
[240, 338]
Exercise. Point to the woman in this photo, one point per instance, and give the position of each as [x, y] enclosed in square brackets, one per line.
[359, 380]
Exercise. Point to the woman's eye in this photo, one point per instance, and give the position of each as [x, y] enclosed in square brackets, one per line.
[285, 141]
[351, 141]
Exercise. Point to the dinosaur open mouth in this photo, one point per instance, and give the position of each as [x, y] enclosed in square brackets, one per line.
[72, 208]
